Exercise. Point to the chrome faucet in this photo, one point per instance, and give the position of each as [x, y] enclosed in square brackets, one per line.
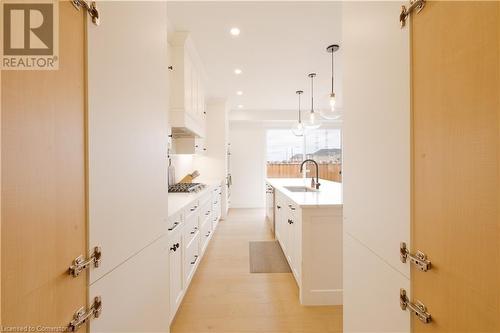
[313, 183]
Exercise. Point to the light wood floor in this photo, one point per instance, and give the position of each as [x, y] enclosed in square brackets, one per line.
[224, 297]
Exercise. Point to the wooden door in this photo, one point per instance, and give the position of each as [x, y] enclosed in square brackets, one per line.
[43, 184]
[456, 184]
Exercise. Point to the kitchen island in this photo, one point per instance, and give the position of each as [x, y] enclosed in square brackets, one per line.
[308, 227]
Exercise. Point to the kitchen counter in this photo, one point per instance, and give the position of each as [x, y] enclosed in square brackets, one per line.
[329, 194]
[179, 201]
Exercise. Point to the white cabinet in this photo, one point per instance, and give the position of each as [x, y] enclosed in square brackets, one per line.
[294, 221]
[135, 294]
[270, 206]
[190, 231]
[187, 102]
[279, 212]
[126, 196]
[311, 239]
[216, 206]
[176, 271]
[127, 125]
[205, 222]
[288, 232]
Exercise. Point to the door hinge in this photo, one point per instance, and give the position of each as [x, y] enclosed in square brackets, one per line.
[83, 315]
[419, 259]
[79, 263]
[415, 5]
[90, 7]
[419, 309]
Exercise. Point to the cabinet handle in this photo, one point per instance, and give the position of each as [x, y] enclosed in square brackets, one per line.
[290, 221]
[208, 234]
[173, 226]
[279, 207]
[194, 230]
[174, 247]
[195, 259]
[207, 213]
[193, 208]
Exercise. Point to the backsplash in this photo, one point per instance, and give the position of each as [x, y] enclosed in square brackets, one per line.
[183, 165]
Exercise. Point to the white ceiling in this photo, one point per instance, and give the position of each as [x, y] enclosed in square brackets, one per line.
[280, 43]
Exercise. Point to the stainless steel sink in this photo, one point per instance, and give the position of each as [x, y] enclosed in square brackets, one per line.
[300, 189]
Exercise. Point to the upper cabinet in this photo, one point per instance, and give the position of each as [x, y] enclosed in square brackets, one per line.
[187, 88]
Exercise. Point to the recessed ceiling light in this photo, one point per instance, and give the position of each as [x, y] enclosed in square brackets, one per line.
[239, 93]
[234, 31]
[238, 71]
[240, 106]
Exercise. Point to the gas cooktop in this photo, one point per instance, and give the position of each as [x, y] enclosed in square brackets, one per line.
[186, 187]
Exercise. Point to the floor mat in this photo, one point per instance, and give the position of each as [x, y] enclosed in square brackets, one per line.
[267, 257]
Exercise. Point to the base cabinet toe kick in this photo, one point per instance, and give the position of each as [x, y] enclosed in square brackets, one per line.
[190, 231]
[311, 239]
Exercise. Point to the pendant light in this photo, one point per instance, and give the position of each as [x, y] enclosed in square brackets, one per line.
[298, 128]
[331, 113]
[313, 121]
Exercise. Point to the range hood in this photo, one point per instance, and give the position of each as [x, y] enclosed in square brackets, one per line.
[182, 133]
[185, 125]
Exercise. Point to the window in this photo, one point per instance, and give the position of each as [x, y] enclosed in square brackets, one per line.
[285, 153]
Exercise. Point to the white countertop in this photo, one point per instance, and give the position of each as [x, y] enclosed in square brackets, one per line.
[179, 201]
[329, 194]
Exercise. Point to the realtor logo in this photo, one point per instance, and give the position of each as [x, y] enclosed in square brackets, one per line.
[30, 35]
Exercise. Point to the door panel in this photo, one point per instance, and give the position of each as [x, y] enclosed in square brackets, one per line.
[135, 295]
[128, 130]
[370, 292]
[43, 184]
[176, 273]
[456, 221]
[376, 163]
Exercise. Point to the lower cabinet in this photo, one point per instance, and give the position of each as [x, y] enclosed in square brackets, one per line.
[311, 240]
[189, 234]
[216, 206]
[134, 294]
[192, 254]
[280, 226]
[288, 232]
[176, 277]
[205, 233]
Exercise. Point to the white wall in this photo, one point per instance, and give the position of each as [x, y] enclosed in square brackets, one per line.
[248, 165]
[376, 172]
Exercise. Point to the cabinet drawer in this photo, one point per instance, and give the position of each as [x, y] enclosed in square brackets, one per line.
[174, 222]
[205, 200]
[205, 213]
[191, 229]
[191, 210]
[206, 232]
[191, 257]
